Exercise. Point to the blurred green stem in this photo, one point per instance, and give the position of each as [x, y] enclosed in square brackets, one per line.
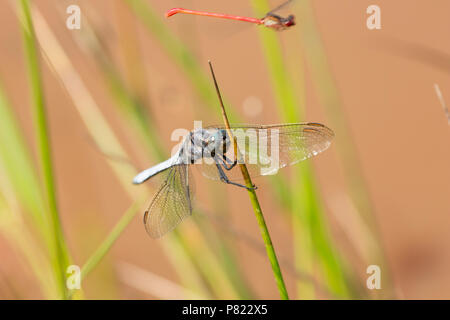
[19, 169]
[106, 245]
[59, 254]
[109, 241]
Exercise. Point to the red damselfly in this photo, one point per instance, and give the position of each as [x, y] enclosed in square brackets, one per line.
[270, 20]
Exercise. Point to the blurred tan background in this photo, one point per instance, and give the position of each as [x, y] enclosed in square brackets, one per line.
[385, 80]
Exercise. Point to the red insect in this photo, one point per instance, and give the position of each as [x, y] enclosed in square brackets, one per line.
[270, 20]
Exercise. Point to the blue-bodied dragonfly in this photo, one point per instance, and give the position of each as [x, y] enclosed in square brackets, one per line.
[210, 149]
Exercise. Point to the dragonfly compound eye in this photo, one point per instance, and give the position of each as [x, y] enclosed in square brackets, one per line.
[290, 21]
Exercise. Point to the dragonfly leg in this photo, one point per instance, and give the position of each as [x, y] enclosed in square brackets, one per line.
[224, 163]
[224, 178]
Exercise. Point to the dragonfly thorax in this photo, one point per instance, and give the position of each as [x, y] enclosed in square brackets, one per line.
[204, 143]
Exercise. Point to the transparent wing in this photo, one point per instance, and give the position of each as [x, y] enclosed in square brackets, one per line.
[265, 149]
[281, 6]
[171, 204]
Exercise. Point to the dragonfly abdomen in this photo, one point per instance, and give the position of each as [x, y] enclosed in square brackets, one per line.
[150, 172]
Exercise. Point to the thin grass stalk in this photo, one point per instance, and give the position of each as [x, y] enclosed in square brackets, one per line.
[266, 236]
[255, 203]
[59, 252]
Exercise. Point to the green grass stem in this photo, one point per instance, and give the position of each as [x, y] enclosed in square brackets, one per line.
[18, 165]
[111, 238]
[60, 258]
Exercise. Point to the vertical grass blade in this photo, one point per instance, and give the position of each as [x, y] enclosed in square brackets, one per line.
[59, 252]
[19, 170]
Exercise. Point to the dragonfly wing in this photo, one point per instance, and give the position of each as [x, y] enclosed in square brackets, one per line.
[279, 7]
[265, 149]
[208, 170]
[297, 142]
[171, 204]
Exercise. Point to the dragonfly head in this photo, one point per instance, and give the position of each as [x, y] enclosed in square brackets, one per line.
[214, 141]
[289, 21]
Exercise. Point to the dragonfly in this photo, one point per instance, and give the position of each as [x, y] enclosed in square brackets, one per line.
[270, 20]
[207, 148]
[216, 154]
